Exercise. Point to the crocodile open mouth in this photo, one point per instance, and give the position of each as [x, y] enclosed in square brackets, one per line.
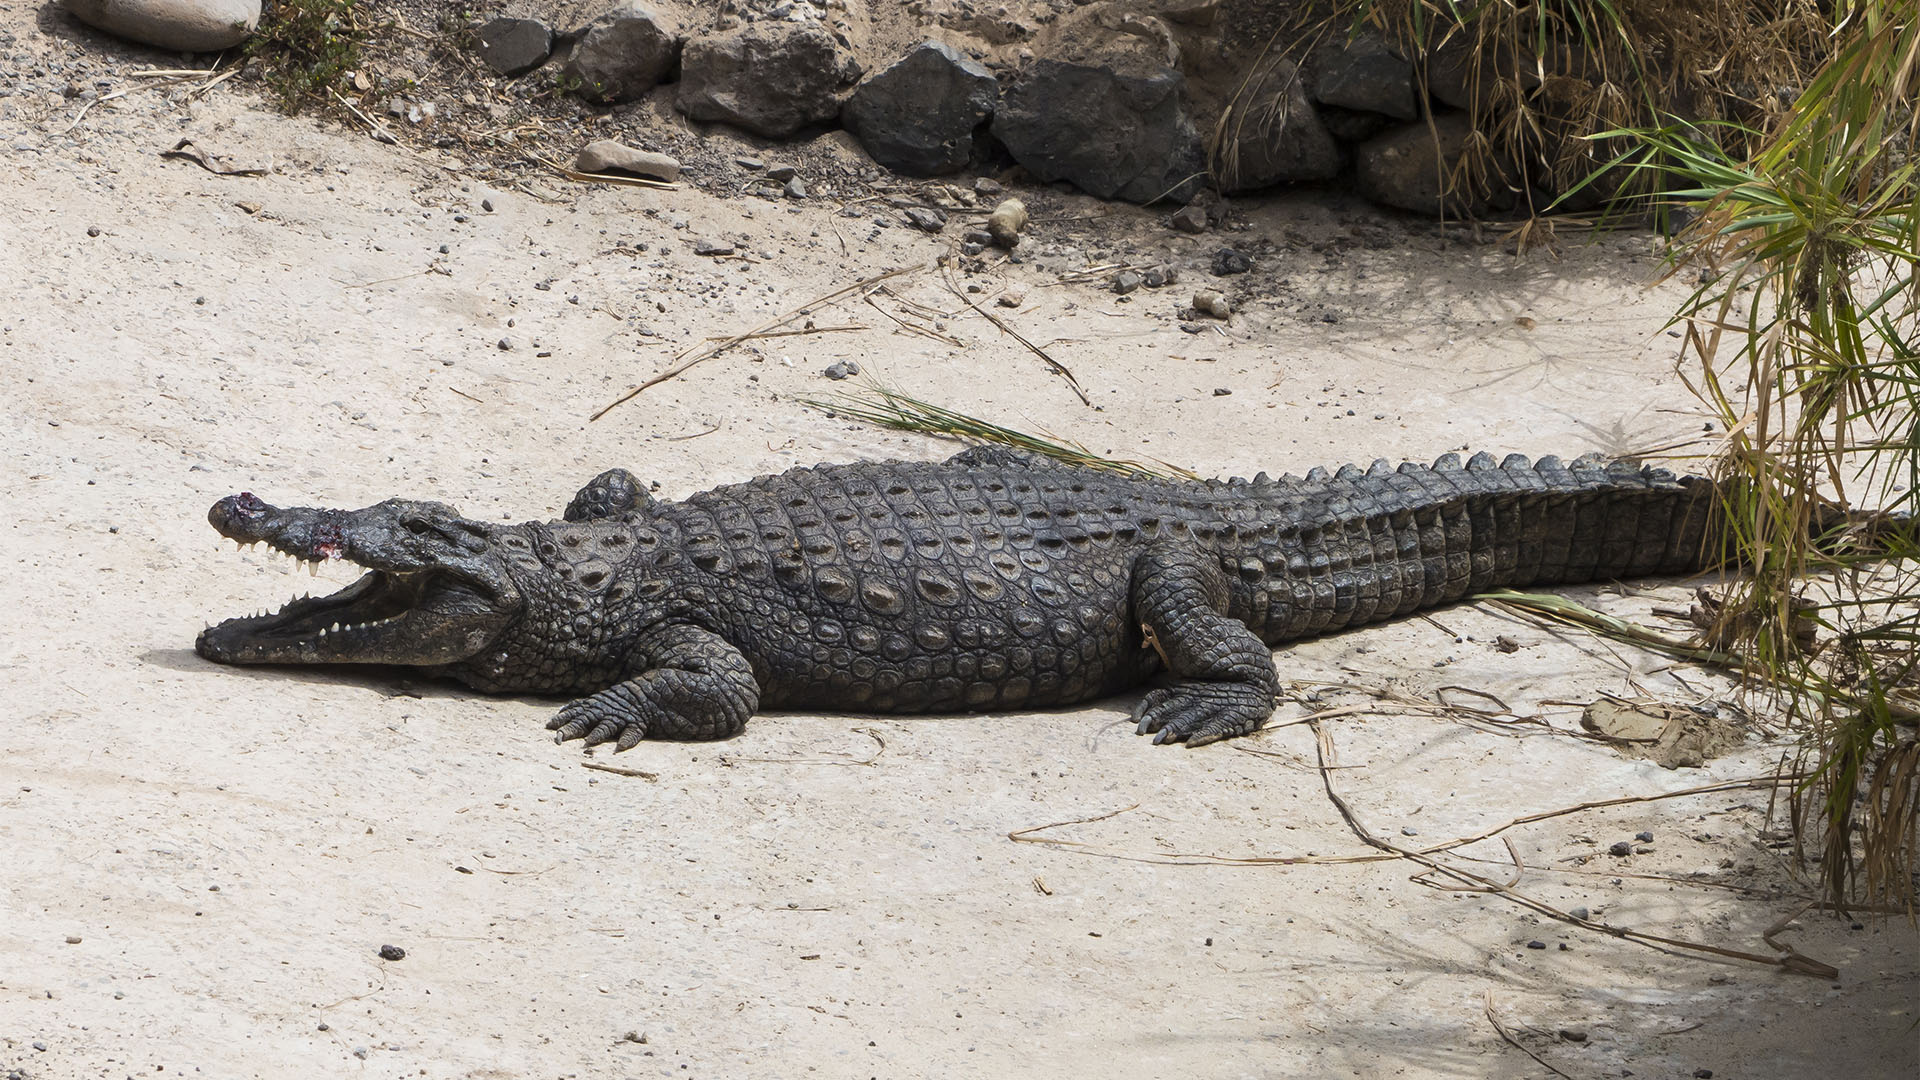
[383, 617]
[432, 614]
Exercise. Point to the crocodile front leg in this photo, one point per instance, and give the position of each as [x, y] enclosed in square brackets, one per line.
[1225, 682]
[695, 686]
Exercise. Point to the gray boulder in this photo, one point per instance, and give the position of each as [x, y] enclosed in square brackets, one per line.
[770, 78]
[1112, 134]
[1406, 168]
[1365, 75]
[623, 54]
[918, 116]
[514, 46]
[1353, 125]
[184, 25]
[1458, 77]
[1274, 134]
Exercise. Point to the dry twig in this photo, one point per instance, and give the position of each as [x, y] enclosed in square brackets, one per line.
[1054, 365]
[1516, 1044]
[716, 348]
[1792, 959]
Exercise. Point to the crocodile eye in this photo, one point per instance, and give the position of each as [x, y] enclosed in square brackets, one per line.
[418, 527]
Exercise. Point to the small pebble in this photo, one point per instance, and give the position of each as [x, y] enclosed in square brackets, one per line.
[780, 174]
[487, 205]
[503, 344]
[1006, 223]
[1580, 913]
[1125, 282]
[1621, 849]
[1221, 391]
[1190, 219]
[1228, 261]
[1209, 302]
[93, 230]
[324, 1026]
[73, 939]
[1573, 1035]
[703, 246]
[1408, 830]
[796, 189]
[392, 952]
[1703, 1074]
[987, 185]
[1644, 837]
[925, 219]
[1536, 944]
[40, 1046]
[841, 370]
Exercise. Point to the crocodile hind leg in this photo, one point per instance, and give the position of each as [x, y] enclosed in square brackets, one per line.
[609, 495]
[695, 686]
[1224, 679]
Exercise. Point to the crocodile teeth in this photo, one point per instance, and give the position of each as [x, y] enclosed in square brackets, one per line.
[336, 628]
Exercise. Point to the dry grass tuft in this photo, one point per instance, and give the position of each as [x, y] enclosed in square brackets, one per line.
[1553, 87]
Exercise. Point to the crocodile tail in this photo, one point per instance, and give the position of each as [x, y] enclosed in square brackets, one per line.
[1457, 528]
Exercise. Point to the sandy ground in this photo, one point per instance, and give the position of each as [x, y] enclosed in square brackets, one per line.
[202, 862]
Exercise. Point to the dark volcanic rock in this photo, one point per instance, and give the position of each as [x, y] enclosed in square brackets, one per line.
[515, 46]
[1112, 134]
[1276, 136]
[623, 54]
[770, 78]
[918, 116]
[1353, 125]
[1365, 75]
[1228, 261]
[1404, 168]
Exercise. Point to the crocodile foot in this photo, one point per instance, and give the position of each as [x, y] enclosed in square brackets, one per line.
[1197, 713]
[614, 715]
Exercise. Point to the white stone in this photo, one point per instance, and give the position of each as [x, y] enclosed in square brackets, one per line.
[183, 25]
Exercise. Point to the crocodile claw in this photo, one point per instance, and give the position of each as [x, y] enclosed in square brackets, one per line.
[1200, 713]
[596, 720]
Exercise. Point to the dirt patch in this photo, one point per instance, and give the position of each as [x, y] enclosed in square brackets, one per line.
[1674, 736]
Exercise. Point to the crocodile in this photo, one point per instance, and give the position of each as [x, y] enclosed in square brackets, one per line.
[994, 580]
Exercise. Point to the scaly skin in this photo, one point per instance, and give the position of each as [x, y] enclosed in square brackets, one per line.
[991, 581]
